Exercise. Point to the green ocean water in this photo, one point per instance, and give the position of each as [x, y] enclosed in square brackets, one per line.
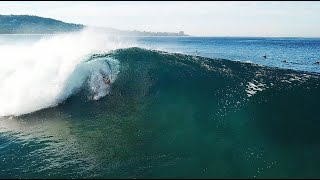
[173, 116]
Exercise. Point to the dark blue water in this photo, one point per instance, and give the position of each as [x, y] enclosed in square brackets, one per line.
[299, 53]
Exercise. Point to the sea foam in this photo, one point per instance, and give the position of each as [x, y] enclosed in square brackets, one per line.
[43, 73]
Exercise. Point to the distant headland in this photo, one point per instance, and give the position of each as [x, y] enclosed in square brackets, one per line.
[29, 24]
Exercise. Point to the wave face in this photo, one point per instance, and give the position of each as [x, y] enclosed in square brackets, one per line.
[42, 74]
[166, 113]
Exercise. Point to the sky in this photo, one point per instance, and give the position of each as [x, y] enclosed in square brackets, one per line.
[205, 18]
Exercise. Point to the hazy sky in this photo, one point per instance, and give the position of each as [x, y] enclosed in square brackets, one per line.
[195, 18]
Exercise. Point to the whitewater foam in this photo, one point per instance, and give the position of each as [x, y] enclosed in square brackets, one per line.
[254, 87]
[42, 74]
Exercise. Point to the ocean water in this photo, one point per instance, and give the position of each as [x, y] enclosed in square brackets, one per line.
[176, 107]
[299, 53]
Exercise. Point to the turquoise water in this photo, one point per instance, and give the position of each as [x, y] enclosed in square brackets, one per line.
[174, 116]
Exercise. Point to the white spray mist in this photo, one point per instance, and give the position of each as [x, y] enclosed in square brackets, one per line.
[38, 75]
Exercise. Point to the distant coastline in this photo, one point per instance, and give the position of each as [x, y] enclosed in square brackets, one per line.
[33, 25]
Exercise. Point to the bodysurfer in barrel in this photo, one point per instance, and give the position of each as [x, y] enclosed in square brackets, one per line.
[106, 80]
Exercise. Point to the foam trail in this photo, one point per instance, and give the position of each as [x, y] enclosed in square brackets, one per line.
[44, 73]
